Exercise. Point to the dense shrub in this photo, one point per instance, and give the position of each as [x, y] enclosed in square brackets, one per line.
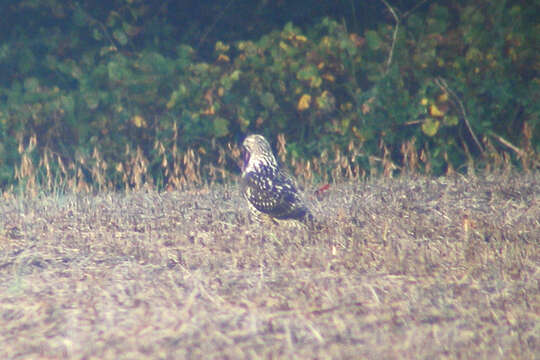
[87, 87]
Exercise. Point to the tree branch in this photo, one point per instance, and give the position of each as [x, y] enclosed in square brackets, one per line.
[444, 86]
[394, 37]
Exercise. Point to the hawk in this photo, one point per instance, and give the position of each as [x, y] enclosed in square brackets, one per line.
[268, 189]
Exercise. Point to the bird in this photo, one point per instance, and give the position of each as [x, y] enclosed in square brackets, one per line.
[269, 190]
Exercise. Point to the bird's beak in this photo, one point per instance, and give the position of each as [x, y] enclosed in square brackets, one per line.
[245, 158]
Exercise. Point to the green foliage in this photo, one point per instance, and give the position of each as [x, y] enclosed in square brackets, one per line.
[116, 77]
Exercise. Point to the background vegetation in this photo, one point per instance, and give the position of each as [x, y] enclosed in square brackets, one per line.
[157, 94]
[116, 94]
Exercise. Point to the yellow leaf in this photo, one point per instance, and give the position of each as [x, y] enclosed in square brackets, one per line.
[209, 111]
[221, 47]
[300, 38]
[434, 111]
[346, 107]
[244, 122]
[320, 66]
[357, 133]
[138, 121]
[443, 97]
[326, 42]
[329, 77]
[424, 101]
[172, 100]
[223, 58]
[304, 102]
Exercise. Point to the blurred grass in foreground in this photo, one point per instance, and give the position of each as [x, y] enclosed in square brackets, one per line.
[405, 268]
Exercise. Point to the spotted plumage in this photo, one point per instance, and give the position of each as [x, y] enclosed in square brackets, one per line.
[269, 190]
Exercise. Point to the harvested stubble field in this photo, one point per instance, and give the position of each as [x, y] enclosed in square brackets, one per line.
[403, 268]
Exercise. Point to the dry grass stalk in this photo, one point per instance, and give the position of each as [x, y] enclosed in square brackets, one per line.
[42, 170]
[410, 157]
[407, 268]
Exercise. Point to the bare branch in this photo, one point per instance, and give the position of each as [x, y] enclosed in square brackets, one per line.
[216, 20]
[394, 37]
[409, 12]
[520, 152]
[444, 86]
[508, 144]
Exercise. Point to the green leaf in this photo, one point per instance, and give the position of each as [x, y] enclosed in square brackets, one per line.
[310, 73]
[68, 103]
[96, 34]
[4, 51]
[373, 40]
[221, 127]
[26, 61]
[451, 120]
[473, 54]
[117, 69]
[436, 26]
[184, 52]
[415, 24]
[430, 127]
[120, 36]
[326, 101]
[268, 100]
[228, 80]
[348, 46]
[289, 29]
[438, 21]
[92, 100]
[79, 17]
[235, 75]
[31, 84]
[515, 11]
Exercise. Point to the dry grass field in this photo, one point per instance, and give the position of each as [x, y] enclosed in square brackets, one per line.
[409, 268]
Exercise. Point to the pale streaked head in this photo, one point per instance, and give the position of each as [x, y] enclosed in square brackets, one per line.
[257, 152]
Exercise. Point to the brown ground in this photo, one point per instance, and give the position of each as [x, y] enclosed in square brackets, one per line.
[406, 268]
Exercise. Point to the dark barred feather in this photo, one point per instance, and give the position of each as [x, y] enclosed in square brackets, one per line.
[266, 187]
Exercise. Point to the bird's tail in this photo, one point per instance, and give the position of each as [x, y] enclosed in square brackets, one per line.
[311, 222]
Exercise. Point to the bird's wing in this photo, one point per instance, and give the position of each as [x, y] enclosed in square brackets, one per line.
[276, 196]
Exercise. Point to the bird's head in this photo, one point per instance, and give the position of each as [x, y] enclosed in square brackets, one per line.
[256, 153]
